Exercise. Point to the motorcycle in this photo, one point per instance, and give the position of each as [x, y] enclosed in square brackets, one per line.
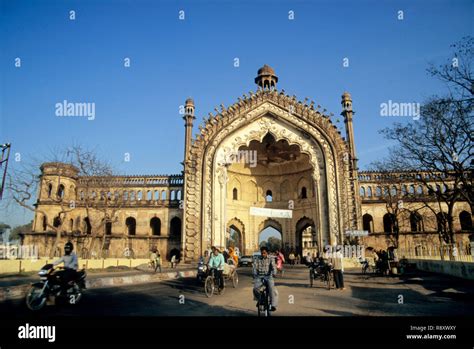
[51, 287]
[202, 272]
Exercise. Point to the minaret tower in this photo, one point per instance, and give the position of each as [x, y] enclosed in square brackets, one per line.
[266, 78]
[355, 214]
[188, 126]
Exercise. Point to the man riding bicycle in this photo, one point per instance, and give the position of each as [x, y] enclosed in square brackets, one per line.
[264, 269]
[217, 261]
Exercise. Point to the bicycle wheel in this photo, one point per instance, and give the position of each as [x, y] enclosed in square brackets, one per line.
[235, 279]
[260, 304]
[209, 286]
[267, 305]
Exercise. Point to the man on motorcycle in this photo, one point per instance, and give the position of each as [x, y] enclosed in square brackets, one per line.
[264, 268]
[70, 265]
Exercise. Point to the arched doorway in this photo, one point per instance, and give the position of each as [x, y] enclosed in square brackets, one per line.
[235, 235]
[306, 237]
[174, 241]
[465, 219]
[155, 225]
[209, 174]
[131, 225]
[271, 238]
[234, 239]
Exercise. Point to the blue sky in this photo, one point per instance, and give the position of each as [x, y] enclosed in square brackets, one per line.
[137, 107]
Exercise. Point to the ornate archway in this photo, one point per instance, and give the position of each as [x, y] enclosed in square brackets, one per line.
[235, 225]
[251, 119]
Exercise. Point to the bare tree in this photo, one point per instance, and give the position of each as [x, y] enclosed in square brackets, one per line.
[95, 184]
[440, 143]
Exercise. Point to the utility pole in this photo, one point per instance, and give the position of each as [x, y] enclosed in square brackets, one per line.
[5, 149]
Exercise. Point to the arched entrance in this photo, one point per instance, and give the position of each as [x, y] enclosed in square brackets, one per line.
[235, 235]
[276, 136]
[271, 235]
[307, 240]
[174, 240]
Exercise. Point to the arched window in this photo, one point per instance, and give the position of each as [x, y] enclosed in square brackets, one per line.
[368, 223]
[304, 194]
[132, 195]
[155, 225]
[175, 229]
[442, 221]
[235, 194]
[131, 224]
[465, 218]
[173, 195]
[404, 190]
[57, 222]
[139, 195]
[178, 195]
[411, 190]
[416, 222]
[369, 192]
[60, 191]
[50, 190]
[81, 196]
[388, 223]
[163, 195]
[362, 192]
[269, 196]
[393, 191]
[71, 224]
[108, 228]
[378, 192]
[87, 225]
[385, 191]
[157, 195]
[45, 223]
[419, 190]
[125, 195]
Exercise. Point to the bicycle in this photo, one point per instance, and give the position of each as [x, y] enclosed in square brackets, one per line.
[323, 272]
[212, 284]
[264, 302]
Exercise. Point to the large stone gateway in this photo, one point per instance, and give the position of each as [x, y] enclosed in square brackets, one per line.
[267, 150]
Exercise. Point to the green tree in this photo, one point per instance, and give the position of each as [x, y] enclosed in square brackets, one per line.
[25, 228]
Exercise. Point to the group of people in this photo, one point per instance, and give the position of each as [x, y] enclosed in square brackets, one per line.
[333, 259]
[156, 260]
[382, 259]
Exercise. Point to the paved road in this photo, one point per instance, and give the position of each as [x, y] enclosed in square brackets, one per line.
[423, 295]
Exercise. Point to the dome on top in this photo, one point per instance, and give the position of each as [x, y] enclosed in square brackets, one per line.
[266, 78]
[266, 70]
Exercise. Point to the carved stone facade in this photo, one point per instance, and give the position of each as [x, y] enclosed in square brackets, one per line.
[267, 150]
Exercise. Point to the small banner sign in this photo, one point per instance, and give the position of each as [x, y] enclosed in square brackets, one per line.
[357, 232]
[270, 212]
